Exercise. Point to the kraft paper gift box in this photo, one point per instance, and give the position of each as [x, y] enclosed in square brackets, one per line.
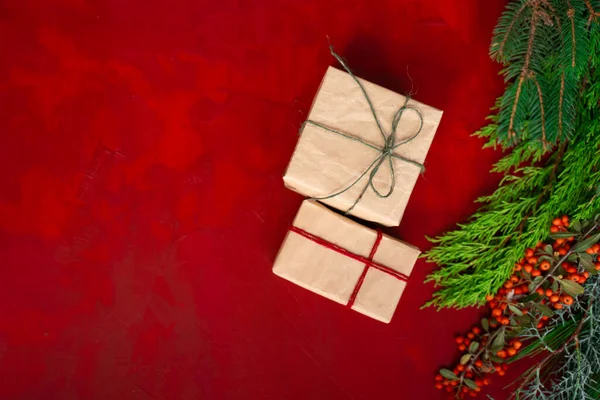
[344, 261]
[325, 162]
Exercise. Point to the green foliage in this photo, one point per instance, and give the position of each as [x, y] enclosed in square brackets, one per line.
[480, 254]
[546, 48]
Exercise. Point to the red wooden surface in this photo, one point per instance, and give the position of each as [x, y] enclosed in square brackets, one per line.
[142, 145]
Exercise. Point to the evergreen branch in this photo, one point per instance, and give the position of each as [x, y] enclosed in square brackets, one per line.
[560, 105]
[541, 197]
[537, 85]
[548, 40]
[513, 19]
[593, 13]
[552, 10]
[524, 72]
[571, 15]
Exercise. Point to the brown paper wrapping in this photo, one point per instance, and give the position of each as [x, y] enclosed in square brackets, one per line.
[334, 275]
[325, 163]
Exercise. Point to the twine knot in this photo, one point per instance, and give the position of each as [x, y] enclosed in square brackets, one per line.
[386, 153]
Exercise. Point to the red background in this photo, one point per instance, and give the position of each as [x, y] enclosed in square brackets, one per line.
[141, 206]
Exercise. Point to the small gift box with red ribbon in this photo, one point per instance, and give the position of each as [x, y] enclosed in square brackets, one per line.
[346, 262]
[362, 147]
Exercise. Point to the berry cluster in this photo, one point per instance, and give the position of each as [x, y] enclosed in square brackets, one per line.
[547, 278]
[473, 370]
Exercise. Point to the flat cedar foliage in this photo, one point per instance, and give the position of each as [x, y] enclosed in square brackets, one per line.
[548, 121]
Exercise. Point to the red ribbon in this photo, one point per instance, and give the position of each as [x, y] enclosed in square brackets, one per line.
[369, 263]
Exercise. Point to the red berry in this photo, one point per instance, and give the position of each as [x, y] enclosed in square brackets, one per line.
[557, 222]
[529, 253]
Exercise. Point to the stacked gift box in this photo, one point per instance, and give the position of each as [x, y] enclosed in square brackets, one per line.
[361, 152]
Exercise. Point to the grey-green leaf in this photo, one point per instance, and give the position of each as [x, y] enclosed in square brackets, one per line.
[515, 310]
[499, 339]
[473, 347]
[496, 359]
[485, 324]
[446, 373]
[586, 243]
[465, 359]
[572, 288]
[470, 384]
[586, 260]
[544, 309]
[561, 235]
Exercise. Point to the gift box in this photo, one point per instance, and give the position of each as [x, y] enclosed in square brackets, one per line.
[362, 148]
[344, 261]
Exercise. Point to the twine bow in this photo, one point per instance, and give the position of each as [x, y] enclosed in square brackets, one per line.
[386, 153]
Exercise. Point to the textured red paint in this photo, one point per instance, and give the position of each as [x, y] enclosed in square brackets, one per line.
[142, 204]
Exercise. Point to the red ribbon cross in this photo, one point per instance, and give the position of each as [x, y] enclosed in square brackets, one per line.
[369, 263]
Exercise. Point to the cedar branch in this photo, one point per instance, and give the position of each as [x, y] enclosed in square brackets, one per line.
[540, 199]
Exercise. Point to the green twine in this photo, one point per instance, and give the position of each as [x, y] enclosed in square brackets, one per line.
[385, 153]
